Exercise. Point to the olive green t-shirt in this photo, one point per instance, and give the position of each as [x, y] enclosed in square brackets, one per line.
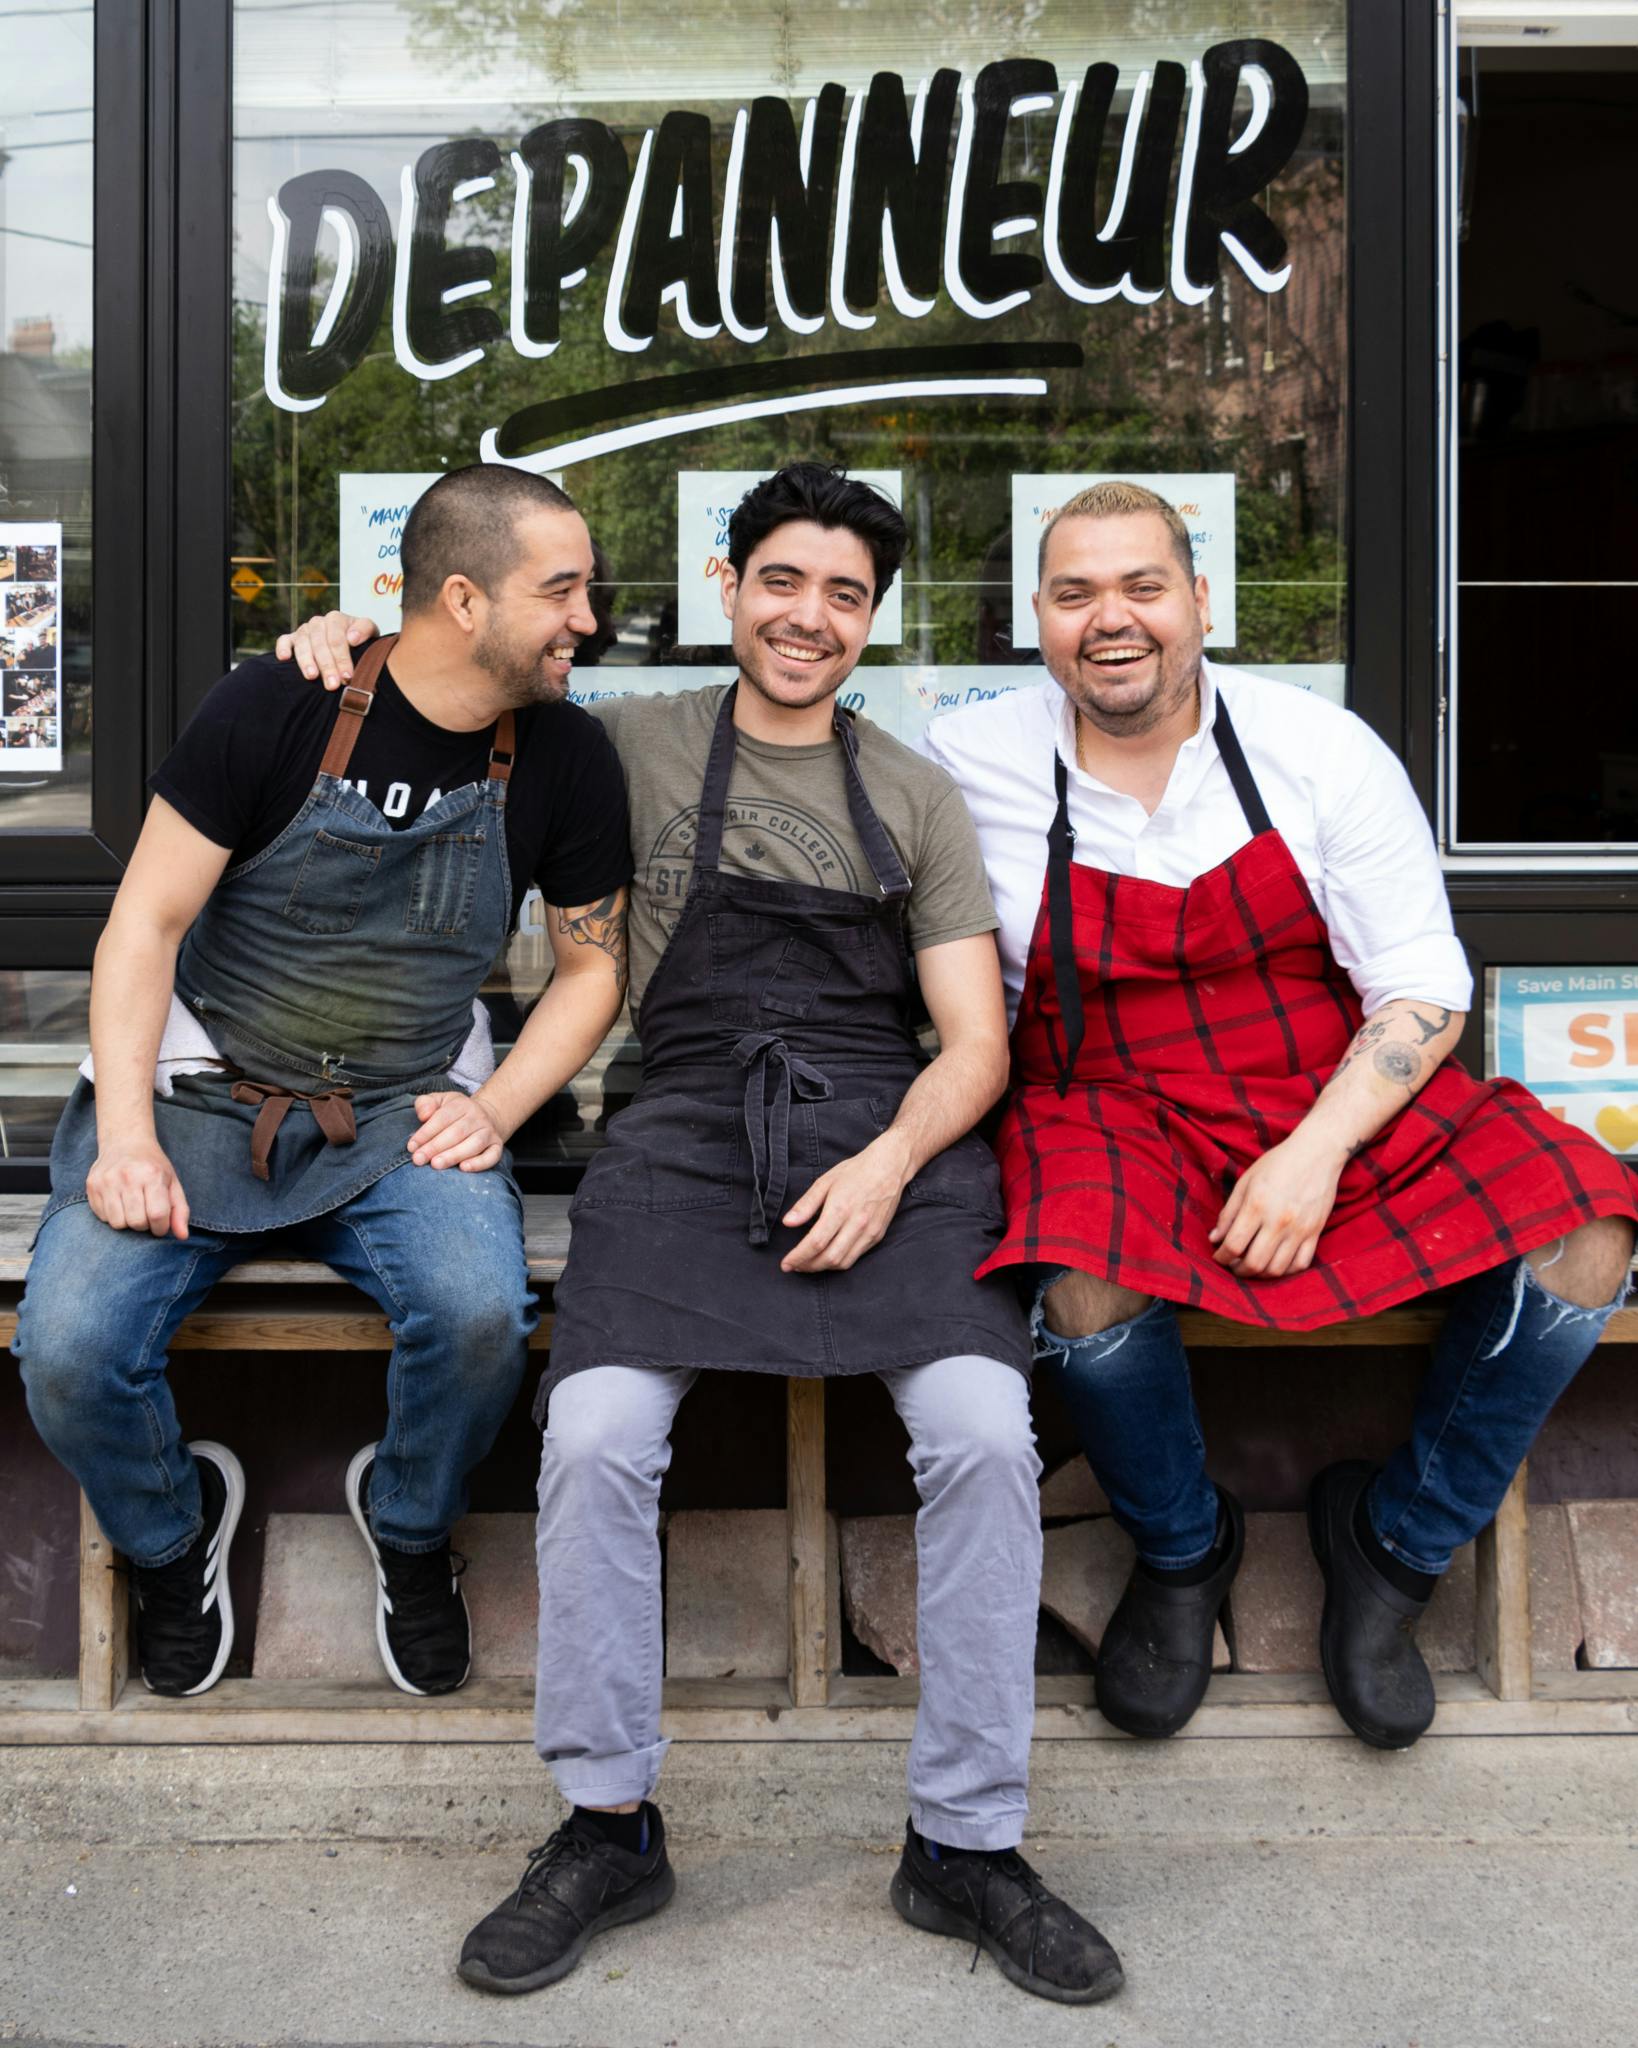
[787, 821]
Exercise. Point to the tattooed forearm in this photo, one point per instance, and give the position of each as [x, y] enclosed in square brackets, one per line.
[602, 925]
[1399, 1062]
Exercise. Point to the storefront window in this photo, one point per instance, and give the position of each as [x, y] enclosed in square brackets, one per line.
[44, 1035]
[979, 257]
[1544, 749]
[45, 419]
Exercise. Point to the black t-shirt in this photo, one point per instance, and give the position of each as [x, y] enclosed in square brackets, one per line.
[249, 757]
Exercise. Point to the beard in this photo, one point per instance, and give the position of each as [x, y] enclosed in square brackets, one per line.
[748, 654]
[514, 665]
[1111, 709]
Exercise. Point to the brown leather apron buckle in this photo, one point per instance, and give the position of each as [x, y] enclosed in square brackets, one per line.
[333, 1110]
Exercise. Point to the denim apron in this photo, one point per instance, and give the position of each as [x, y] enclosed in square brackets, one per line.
[334, 972]
[778, 1040]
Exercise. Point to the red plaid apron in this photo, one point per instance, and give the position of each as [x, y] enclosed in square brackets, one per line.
[1168, 1037]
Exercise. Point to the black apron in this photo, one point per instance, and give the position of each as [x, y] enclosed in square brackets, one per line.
[778, 1040]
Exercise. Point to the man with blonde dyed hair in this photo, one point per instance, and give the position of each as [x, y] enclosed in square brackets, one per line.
[1116, 498]
[1236, 987]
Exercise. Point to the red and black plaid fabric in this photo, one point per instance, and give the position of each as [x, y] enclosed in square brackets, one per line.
[1215, 1015]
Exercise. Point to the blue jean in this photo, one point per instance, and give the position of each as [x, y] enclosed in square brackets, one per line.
[442, 1252]
[1507, 1350]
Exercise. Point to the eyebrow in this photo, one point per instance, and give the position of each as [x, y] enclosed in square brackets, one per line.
[562, 576]
[831, 582]
[1126, 576]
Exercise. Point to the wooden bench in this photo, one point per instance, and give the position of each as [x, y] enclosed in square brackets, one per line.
[290, 1305]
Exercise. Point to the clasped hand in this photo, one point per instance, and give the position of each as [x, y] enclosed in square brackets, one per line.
[457, 1130]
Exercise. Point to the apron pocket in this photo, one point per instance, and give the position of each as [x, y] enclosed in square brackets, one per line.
[443, 882]
[965, 1175]
[330, 884]
[664, 1157]
[758, 965]
[799, 978]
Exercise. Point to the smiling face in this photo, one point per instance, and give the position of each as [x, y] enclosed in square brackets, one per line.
[540, 611]
[1122, 621]
[801, 612]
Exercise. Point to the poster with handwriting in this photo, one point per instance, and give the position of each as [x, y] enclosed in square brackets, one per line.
[31, 649]
[705, 501]
[1206, 501]
[373, 510]
[1570, 1034]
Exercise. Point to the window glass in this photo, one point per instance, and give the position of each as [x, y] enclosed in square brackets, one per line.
[1545, 724]
[45, 1033]
[981, 257]
[45, 418]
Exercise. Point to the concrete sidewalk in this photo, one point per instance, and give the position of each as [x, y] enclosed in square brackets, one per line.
[1269, 1893]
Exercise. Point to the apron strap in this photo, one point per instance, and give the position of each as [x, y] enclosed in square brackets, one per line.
[885, 865]
[358, 696]
[1239, 769]
[719, 766]
[883, 857]
[504, 751]
[356, 699]
[333, 1109]
[1066, 973]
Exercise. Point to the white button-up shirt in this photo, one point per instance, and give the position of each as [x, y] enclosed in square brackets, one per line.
[1336, 795]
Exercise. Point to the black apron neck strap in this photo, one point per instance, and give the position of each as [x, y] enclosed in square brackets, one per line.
[1239, 769]
[884, 861]
[719, 766]
[1066, 973]
[885, 864]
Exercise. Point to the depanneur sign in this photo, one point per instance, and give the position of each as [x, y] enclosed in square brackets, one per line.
[818, 212]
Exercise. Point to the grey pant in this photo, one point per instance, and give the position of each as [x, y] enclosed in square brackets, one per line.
[978, 1553]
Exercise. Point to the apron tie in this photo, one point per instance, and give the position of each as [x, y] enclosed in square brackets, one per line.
[768, 1121]
[333, 1109]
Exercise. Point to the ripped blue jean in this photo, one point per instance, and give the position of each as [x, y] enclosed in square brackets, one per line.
[1507, 1350]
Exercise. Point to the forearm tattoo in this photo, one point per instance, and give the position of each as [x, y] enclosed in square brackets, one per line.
[1393, 1058]
[1430, 1027]
[1396, 1061]
[602, 925]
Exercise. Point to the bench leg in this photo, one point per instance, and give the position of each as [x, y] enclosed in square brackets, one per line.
[105, 1616]
[1502, 1571]
[807, 1536]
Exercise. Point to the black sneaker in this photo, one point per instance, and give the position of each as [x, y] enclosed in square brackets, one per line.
[993, 1899]
[184, 1611]
[421, 1624]
[573, 1887]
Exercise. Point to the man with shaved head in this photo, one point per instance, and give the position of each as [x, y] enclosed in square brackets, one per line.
[1236, 990]
[285, 1038]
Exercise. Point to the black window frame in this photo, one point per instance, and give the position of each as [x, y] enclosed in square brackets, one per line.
[162, 454]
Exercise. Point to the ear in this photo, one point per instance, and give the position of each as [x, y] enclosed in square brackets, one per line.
[728, 578]
[1035, 602]
[1202, 602]
[460, 599]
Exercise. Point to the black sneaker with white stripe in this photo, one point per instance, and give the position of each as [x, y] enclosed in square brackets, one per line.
[184, 1610]
[421, 1624]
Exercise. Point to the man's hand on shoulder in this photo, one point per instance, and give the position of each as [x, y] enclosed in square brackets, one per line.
[323, 647]
[133, 1186]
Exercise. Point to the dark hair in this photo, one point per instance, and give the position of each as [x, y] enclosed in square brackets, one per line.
[465, 525]
[826, 494]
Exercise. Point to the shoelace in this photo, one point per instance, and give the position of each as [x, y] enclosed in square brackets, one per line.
[1012, 1865]
[565, 1846]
